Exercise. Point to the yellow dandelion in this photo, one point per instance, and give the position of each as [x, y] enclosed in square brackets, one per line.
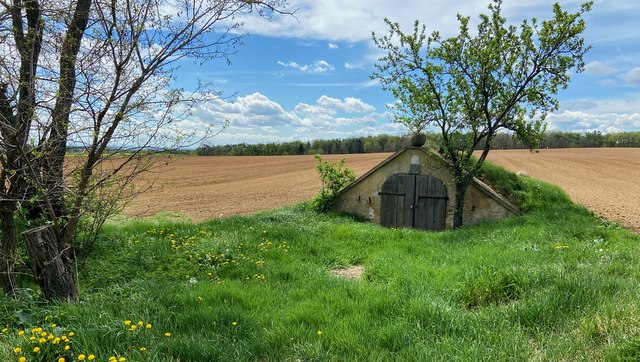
[22, 359]
[127, 322]
[50, 337]
[122, 359]
[132, 328]
[140, 323]
[20, 333]
[112, 358]
[53, 325]
[143, 349]
[319, 332]
[167, 334]
[234, 323]
[71, 334]
[36, 349]
[149, 326]
[61, 359]
[91, 357]
[56, 340]
[42, 340]
[66, 348]
[81, 357]
[5, 330]
[43, 334]
[17, 350]
[32, 338]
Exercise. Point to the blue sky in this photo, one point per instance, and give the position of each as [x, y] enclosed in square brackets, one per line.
[307, 77]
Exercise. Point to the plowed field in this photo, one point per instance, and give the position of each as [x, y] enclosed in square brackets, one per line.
[208, 187]
[605, 180]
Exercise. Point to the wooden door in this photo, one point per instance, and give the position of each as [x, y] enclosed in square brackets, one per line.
[410, 200]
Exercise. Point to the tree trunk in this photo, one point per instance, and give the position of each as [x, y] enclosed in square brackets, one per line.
[8, 252]
[51, 268]
[461, 191]
[57, 143]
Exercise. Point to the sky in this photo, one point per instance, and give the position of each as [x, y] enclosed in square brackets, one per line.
[308, 77]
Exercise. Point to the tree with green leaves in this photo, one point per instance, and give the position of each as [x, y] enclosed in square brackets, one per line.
[474, 85]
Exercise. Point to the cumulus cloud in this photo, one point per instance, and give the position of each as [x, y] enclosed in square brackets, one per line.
[319, 66]
[333, 46]
[256, 118]
[253, 109]
[331, 106]
[578, 121]
[606, 115]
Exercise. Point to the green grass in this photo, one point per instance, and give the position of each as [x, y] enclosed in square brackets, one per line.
[555, 284]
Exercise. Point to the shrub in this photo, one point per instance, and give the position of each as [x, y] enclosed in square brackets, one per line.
[334, 177]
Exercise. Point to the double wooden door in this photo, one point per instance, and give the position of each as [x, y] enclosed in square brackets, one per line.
[411, 200]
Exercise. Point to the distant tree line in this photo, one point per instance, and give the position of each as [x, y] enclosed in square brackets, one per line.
[389, 143]
[372, 144]
[558, 139]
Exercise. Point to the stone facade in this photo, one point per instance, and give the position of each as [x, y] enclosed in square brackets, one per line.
[362, 198]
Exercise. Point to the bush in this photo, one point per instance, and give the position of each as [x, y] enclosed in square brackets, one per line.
[334, 177]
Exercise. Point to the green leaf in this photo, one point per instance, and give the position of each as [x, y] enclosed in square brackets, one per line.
[25, 317]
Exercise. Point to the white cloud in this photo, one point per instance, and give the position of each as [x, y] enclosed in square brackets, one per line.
[254, 109]
[578, 121]
[352, 21]
[606, 115]
[598, 68]
[333, 46]
[350, 66]
[319, 66]
[331, 106]
[255, 118]
[337, 20]
[632, 77]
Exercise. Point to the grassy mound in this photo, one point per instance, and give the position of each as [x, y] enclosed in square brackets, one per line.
[555, 284]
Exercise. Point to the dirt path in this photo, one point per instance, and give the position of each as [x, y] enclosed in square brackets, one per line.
[605, 180]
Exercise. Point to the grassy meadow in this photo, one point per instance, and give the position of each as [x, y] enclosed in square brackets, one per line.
[557, 283]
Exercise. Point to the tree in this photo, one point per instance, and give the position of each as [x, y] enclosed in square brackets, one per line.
[471, 86]
[93, 75]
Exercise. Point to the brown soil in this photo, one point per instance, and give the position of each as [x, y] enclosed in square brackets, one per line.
[210, 187]
[605, 180]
